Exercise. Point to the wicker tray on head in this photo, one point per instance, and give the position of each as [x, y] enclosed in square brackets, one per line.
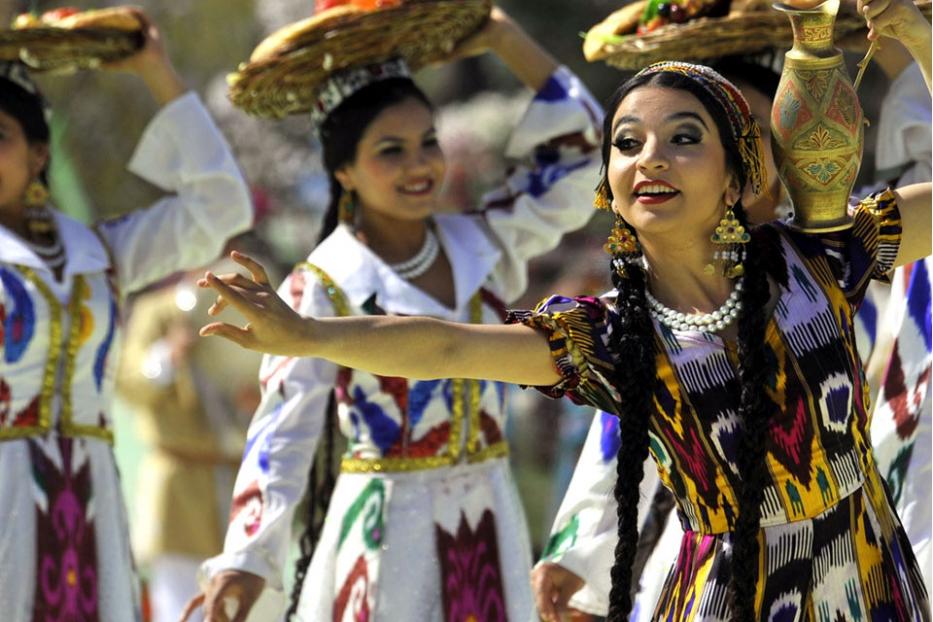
[63, 49]
[285, 71]
[714, 37]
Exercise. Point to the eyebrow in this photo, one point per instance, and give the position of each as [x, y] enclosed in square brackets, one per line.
[399, 139]
[686, 114]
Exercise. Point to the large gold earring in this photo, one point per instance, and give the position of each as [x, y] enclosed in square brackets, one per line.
[622, 245]
[37, 195]
[601, 200]
[346, 207]
[730, 238]
[35, 200]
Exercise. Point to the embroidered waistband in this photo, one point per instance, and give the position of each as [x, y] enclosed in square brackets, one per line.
[403, 464]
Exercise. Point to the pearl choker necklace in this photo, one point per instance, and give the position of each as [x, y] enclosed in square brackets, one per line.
[424, 259]
[705, 322]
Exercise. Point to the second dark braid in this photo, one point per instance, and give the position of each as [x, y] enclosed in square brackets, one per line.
[633, 341]
[755, 410]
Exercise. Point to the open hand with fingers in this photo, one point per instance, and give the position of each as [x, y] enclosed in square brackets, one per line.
[229, 598]
[272, 326]
[553, 585]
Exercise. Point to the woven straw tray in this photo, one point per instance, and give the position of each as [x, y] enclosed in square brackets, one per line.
[62, 49]
[708, 38]
[420, 31]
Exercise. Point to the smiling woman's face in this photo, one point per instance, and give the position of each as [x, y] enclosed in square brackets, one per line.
[20, 162]
[399, 167]
[667, 166]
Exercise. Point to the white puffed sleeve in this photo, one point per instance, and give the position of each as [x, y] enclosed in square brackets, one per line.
[182, 152]
[281, 443]
[549, 190]
[584, 534]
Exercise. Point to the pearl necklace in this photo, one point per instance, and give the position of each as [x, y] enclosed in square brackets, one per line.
[424, 259]
[52, 254]
[705, 322]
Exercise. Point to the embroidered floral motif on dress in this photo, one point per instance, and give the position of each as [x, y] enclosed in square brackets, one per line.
[66, 568]
[470, 577]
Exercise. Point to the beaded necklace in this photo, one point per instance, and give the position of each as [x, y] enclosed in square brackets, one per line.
[423, 259]
[705, 322]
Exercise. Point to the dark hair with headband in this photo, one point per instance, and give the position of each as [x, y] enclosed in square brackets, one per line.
[341, 132]
[633, 339]
[29, 110]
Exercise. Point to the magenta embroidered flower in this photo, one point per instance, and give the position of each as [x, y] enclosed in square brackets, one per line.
[470, 577]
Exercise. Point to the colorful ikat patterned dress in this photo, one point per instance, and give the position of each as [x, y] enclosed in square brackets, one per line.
[425, 523]
[833, 548]
[64, 542]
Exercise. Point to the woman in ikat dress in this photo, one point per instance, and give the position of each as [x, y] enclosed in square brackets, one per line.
[424, 522]
[64, 546]
[744, 385]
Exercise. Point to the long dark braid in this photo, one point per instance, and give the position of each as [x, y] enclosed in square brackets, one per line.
[633, 342]
[321, 482]
[756, 411]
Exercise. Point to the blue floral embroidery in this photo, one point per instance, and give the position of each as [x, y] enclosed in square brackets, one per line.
[20, 321]
[100, 361]
[384, 430]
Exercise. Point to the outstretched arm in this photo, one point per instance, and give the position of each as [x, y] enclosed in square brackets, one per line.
[410, 347]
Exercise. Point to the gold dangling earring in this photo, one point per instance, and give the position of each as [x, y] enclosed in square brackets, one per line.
[346, 207]
[730, 237]
[35, 200]
[622, 245]
[601, 200]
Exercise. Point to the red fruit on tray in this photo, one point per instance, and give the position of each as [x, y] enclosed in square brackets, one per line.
[370, 5]
[365, 5]
[323, 5]
[62, 13]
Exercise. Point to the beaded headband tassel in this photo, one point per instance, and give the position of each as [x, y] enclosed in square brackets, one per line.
[745, 129]
[342, 85]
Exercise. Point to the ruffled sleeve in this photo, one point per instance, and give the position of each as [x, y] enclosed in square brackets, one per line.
[183, 153]
[869, 248]
[578, 331]
[548, 191]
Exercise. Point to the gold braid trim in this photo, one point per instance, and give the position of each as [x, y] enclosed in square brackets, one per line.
[476, 317]
[336, 295]
[69, 427]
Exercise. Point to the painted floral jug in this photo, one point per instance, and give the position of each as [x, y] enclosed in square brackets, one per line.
[816, 123]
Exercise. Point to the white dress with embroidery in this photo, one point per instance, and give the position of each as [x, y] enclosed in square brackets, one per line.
[64, 548]
[425, 522]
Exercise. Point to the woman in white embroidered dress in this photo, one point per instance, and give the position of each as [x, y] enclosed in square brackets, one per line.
[425, 522]
[64, 549]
